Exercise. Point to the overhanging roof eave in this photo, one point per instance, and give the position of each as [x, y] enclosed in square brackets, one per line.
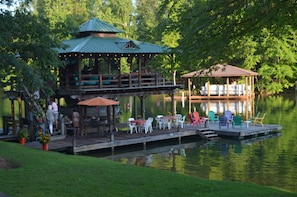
[221, 71]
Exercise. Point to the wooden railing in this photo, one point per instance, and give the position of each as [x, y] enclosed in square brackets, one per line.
[102, 81]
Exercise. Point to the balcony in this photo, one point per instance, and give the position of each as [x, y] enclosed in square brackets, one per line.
[114, 84]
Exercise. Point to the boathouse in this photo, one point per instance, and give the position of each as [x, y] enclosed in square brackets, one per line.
[235, 83]
[97, 62]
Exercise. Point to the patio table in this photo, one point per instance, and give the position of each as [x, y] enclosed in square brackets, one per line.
[139, 123]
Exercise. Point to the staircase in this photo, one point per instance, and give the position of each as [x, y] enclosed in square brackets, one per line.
[36, 121]
[31, 102]
[207, 134]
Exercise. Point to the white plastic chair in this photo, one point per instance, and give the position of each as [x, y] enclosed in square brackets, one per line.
[181, 122]
[166, 122]
[132, 125]
[159, 122]
[178, 117]
[148, 127]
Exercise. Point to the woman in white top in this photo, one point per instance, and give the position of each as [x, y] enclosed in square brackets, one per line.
[50, 118]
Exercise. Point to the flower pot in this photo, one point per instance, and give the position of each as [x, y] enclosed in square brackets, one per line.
[22, 140]
[44, 146]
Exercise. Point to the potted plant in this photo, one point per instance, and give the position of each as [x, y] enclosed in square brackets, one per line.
[39, 116]
[23, 135]
[44, 140]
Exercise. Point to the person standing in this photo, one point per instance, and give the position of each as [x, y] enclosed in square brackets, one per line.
[50, 118]
[75, 121]
[55, 112]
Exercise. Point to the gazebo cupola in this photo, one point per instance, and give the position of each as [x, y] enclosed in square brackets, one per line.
[98, 28]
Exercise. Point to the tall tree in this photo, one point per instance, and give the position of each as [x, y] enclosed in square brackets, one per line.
[66, 15]
[147, 20]
[26, 50]
[120, 14]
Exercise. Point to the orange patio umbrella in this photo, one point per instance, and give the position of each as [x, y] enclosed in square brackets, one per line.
[100, 101]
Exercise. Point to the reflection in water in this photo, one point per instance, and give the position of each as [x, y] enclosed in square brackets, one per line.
[251, 160]
[244, 108]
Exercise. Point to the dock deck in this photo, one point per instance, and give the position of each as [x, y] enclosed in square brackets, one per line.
[96, 141]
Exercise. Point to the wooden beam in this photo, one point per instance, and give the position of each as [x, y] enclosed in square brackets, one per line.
[189, 88]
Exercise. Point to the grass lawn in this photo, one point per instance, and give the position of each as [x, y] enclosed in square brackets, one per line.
[45, 173]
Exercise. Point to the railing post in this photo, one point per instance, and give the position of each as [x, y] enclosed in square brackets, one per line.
[62, 126]
[100, 81]
[130, 80]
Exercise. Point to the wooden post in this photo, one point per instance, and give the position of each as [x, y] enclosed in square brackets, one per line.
[135, 106]
[139, 70]
[246, 87]
[189, 88]
[20, 112]
[113, 116]
[142, 106]
[252, 86]
[173, 111]
[112, 150]
[79, 71]
[13, 118]
[208, 88]
[228, 87]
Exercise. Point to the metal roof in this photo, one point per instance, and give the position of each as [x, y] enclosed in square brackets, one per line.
[96, 25]
[97, 45]
[93, 43]
[220, 70]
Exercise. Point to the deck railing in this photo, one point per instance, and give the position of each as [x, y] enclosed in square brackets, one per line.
[102, 81]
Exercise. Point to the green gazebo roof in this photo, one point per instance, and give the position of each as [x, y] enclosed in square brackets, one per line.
[96, 25]
[93, 43]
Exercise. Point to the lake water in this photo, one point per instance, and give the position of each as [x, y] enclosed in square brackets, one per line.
[269, 161]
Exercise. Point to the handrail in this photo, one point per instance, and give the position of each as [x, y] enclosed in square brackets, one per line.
[113, 81]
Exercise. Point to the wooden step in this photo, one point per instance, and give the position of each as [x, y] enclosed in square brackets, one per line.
[207, 132]
[209, 135]
[212, 135]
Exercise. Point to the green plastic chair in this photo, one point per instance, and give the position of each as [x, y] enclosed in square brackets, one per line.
[212, 117]
[237, 121]
[254, 117]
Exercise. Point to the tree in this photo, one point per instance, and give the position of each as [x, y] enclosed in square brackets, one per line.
[120, 14]
[147, 20]
[155, 23]
[27, 50]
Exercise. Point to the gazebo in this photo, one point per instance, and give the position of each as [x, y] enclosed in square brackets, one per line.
[98, 63]
[223, 91]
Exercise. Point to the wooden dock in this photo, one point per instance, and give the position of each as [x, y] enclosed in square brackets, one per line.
[244, 131]
[97, 141]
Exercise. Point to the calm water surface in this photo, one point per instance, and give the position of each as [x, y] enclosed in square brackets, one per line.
[269, 161]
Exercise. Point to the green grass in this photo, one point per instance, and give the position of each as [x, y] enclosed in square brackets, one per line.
[45, 173]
